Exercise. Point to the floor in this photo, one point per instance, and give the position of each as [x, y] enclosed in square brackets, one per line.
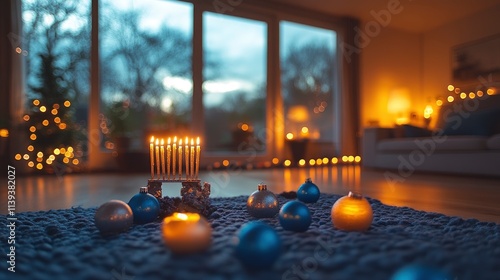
[463, 196]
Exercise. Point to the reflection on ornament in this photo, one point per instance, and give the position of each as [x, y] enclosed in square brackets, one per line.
[262, 203]
[186, 233]
[258, 245]
[420, 271]
[352, 213]
[144, 206]
[308, 192]
[295, 216]
[113, 217]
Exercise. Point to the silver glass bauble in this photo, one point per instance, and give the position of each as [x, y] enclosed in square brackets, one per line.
[113, 217]
[262, 203]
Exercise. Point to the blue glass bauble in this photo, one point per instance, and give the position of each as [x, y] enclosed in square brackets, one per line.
[262, 203]
[420, 272]
[258, 245]
[308, 192]
[295, 216]
[113, 217]
[145, 207]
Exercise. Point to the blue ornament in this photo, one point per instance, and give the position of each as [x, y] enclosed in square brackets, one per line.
[145, 206]
[262, 203]
[308, 192]
[295, 216]
[113, 217]
[258, 245]
[420, 272]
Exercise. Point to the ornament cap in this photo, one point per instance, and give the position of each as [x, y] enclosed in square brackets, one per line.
[143, 190]
[308, 180]
[355, 195]
[262, 187]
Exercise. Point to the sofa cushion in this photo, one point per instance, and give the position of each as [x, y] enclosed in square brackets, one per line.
[411, 131]
[451, 143]
[493, 142]
[482, 123]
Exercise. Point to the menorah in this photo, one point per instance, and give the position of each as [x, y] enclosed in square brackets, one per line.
[175, 162]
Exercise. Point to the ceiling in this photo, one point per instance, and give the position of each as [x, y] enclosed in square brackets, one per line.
[416, 15]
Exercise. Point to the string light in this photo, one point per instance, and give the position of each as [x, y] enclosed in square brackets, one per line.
[335, 160]
[30, 148]
[275, 160]
[67, 103]
[287, 162]
[302, 162]
[18, 157]
[36, 102]
[43, 109]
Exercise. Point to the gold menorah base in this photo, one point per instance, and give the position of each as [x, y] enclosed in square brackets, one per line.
[188, 187]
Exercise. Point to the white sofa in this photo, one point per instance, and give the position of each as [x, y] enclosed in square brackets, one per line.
[470, 145]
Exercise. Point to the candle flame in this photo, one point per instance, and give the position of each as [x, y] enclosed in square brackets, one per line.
[175, 139]
[169, 140]
[180, 142]
[162, 142]
[192, 141]
[198, 141]
[152, 139]
[156, 141]
[187, 142]
[181, 216]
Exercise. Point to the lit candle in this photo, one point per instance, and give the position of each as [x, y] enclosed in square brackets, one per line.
[151, 157]
[157, 158]
[174, 153]
[198, 149]
[168, 158]
[186, 152]
[162, 151]
[186, 233]
[191, 158]
[180, 159]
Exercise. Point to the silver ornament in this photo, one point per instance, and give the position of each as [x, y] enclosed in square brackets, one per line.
[113, 217]
[262, 203]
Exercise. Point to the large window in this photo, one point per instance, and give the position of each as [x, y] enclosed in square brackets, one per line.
[234, 87]
[146, 77]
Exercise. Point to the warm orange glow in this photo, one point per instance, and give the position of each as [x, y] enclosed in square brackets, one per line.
[67, 103]
[451, 87]
[70, 149]
[45, 122]
[186, 233]
[312, 162]
[304, 130]
[43, 109]
[479, 93]
[325, 160]
[275, 160]
[302, 162]
[428, 111]
[399, 101]
[450, 98]
[289, 136]
[439, 102]
[66, 160]
[244, 127]
[36, 102]
[152, 139]
[216, 164]
[54, 112]
[39, 154]
[39, 159]
[31, 164]
[298, 114]
[463, 95]
[319, 161]
[68, 154]
[62, 126]
[457, 90]
[33, 137]
[352, 213]
[48, 161]
[287, 162]
[26, 157]
[345, 158]
[490, 91]
[75, 161]
[350, 158]
[225, 162]
[26, 118]
[57, 151]
[39, 166]
[197, 141]
[57, 120]
[472, 95]
[55, 106]
[18, 157]
[30, 148]
[63, 150]
[357, 158]
[335, 160]
[32, 128]
[52, 157]
[4, 133]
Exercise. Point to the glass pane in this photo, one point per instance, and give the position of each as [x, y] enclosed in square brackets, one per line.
[146, 79]
[234, 87]
[307, 78]
[56, 47]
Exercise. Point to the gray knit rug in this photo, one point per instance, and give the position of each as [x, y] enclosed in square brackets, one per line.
[65, 244]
